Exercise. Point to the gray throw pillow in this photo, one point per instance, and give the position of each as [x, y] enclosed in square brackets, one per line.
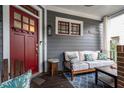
[88, 57]
[102, 56]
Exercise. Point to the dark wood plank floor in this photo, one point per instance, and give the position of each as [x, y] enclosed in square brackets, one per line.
[58, 81]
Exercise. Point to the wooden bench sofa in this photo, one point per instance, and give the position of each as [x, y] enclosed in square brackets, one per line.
[82, 66]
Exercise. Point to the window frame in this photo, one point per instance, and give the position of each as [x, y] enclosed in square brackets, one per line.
[70, 26]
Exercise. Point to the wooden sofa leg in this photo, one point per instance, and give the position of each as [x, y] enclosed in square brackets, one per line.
[72, 76]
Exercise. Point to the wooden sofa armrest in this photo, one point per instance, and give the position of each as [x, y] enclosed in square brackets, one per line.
[70, 64]
[64, 62]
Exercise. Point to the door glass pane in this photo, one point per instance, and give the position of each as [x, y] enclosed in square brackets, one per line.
[25, 19]
[17, 16]
[25, 26]
[17, 24]
[31, 22]
[32, 28]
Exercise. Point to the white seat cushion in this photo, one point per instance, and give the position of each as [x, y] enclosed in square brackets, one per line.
[80, 66]
[99, 63]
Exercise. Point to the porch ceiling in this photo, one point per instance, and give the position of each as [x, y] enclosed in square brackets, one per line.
[93, 11]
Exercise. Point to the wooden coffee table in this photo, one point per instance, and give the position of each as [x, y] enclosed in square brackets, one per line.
[108, 70]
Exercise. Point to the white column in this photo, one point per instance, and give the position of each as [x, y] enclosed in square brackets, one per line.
[40, 25]
[45, 40]
[106, 40]
[6, 34]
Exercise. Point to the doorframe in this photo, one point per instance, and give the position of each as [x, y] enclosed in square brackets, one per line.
[6, 33]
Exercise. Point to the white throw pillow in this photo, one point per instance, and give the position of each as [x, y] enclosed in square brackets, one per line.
[70, 53]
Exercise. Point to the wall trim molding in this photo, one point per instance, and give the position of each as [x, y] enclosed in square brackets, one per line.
[44, 19]
[6, 34]
[118, 13]
[66, 11]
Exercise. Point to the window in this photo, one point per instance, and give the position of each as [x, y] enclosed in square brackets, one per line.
[70, 27]
[31, 22]
[17, 24]
[63, 27]
[32, 25]
[25, 27]
[75, 29]
[25, 19]
[24, 23]
[17, 16]
[17, 20]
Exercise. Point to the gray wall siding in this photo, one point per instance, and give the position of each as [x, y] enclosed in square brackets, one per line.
[1, 39]
[57, 44]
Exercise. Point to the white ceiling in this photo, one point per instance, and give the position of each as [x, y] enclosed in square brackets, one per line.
[96, 10]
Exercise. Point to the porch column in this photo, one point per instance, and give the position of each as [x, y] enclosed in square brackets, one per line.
[6, 34]
[106, 41]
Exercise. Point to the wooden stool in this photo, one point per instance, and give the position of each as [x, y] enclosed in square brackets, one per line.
[53, 66]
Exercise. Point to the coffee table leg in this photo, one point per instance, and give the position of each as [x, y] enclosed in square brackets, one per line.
[96, 77]
[115, 82]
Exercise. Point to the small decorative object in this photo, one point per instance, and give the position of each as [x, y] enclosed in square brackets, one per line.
[49, 30]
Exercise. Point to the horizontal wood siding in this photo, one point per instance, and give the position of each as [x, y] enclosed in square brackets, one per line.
[57, 44]
[120, 63]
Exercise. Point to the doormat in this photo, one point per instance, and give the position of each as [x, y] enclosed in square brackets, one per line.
[39, 81]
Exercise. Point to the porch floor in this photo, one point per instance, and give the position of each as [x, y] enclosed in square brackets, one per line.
[58, 81]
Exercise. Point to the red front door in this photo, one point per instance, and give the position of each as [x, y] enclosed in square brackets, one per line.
[23, 38]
